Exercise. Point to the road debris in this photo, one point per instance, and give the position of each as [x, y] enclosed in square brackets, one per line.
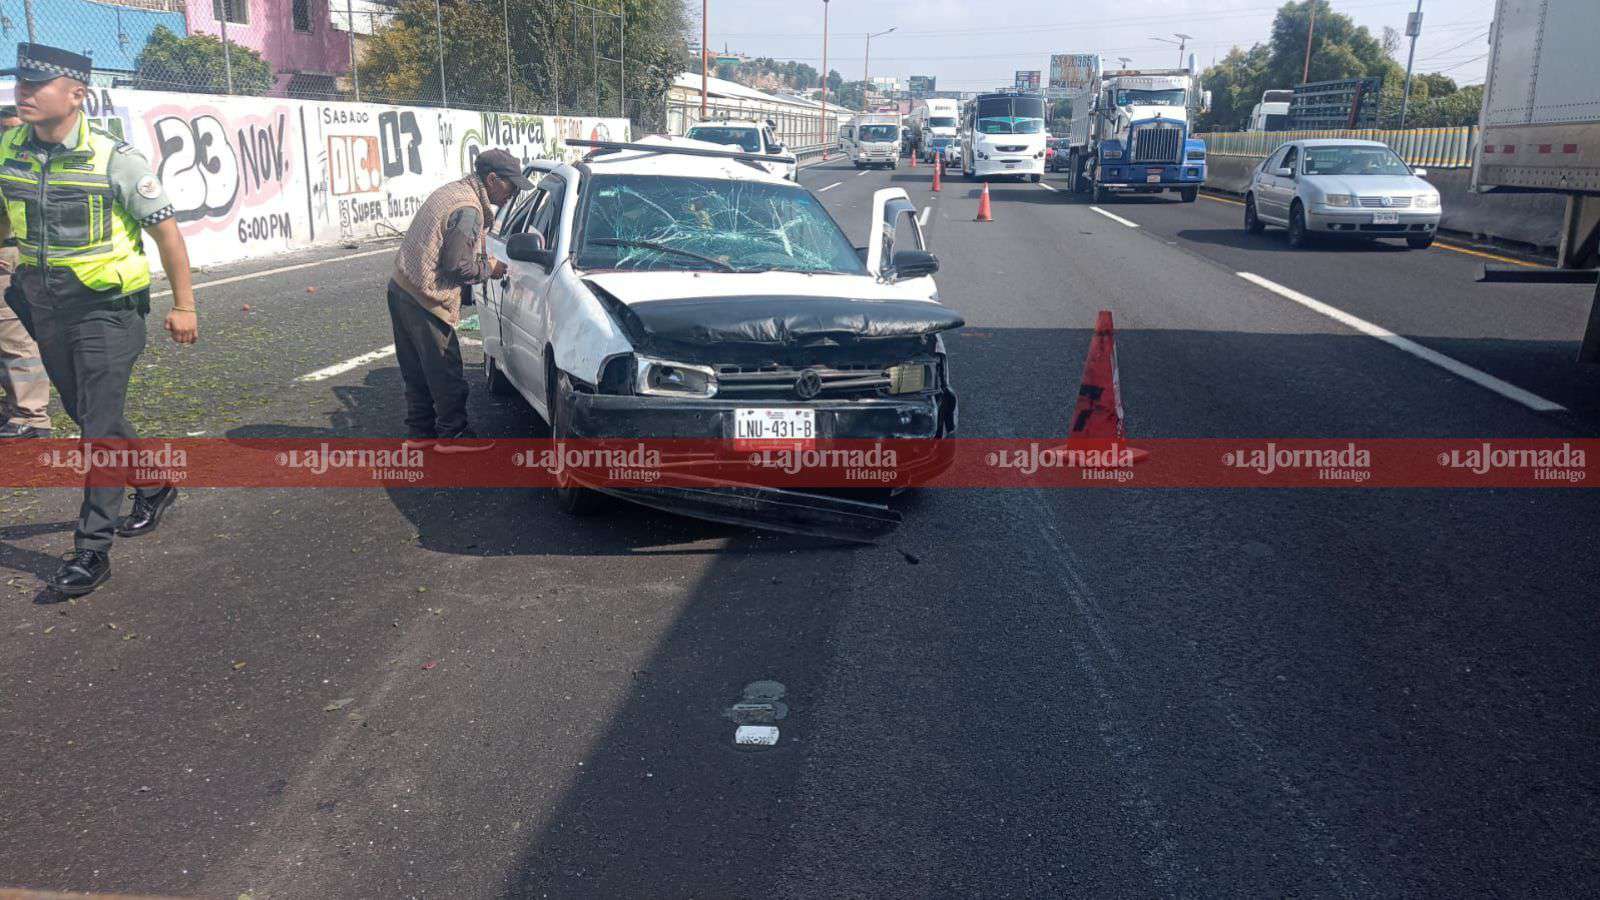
[339, 704]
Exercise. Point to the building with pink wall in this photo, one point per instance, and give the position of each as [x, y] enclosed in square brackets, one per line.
[294, 36]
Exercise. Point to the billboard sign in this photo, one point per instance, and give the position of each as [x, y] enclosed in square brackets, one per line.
[1071, 72]
[1027, 79]
[921, 85]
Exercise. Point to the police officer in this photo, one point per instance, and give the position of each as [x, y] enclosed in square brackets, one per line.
[76, 199]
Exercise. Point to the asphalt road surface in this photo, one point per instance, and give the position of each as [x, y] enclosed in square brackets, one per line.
[1020, 694]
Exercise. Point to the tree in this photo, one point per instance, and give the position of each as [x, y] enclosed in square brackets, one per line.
[195, 63]
[552, 57]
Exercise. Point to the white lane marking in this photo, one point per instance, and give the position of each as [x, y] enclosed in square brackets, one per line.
[1046, 186]
[829, 187]
[347, 365]
[923, 219]
[1454, 367]
[1114, 217]
[279, 271]
[861, 173]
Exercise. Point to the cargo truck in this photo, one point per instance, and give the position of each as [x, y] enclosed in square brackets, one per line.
[1130, 131]
[1540, 133]
[933, 126]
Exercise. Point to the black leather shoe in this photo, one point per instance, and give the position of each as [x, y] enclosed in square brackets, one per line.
[147, 511]
[13, 430]
[84, 571]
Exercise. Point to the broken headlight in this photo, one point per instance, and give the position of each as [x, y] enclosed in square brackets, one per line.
[664, 378]
[912, 378]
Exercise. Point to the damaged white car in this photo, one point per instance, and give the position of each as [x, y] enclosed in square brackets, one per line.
[677, 289]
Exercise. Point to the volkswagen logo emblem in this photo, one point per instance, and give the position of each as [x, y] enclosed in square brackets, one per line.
[1387, 201]
[808, 385]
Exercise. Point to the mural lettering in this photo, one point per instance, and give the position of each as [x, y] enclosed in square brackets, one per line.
[272, 226]
[261, 149]
[198, 167]
[400, 156]
[354, 166]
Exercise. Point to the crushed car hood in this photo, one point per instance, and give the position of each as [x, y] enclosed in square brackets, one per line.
[825, 311]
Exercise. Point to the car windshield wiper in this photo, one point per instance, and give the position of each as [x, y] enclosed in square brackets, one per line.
[664, 248]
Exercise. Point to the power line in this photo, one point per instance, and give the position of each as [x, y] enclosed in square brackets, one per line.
[1480, 35]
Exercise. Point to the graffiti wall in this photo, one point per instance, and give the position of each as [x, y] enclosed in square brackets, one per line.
[255, 176]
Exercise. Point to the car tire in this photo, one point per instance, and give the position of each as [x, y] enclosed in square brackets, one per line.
[1095, 193]
[1035, 178]
[1188, 195]
[1298, 236]
[1420, 243]
[1252, 221]
[499, 384]
[570, 499]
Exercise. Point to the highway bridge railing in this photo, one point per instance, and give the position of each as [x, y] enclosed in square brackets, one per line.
[1435, 148]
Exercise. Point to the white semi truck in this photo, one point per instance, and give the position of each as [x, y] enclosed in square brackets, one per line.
[1540, 132]
[1130, 131]
[933, 124]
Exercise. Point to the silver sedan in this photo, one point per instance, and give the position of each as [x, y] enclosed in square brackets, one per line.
[1341, 187]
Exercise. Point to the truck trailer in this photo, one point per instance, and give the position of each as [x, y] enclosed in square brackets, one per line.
[1130, 131]
[1540, 133]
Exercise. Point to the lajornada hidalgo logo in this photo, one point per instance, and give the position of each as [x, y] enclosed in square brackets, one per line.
[139, 464]
[878, 464]
[1348, 463]
[1564, 463]
[381, 464]
[1111, 462]
[637, 464]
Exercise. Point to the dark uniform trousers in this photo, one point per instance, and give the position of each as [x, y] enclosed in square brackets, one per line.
[429, 355]
[89, 354]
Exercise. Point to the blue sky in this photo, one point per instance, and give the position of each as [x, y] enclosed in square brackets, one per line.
[978, 45]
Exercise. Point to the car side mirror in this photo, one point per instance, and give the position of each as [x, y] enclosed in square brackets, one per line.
[529, 247]
[1283, 172]
[776, 148]
[1420, 173]
[909, 264]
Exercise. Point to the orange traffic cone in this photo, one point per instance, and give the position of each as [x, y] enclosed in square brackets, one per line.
[913, 159]
[936, 168]
[1097, 421]
[984, 214]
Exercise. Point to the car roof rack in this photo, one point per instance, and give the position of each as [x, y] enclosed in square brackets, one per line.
[604, 147]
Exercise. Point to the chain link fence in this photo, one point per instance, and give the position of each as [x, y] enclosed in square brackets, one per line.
[569, 57]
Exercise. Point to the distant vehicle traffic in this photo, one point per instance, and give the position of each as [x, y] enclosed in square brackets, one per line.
[1130, 132]
[1003, 134]
[751, 137]
[1357, 189]
[1055, 154]
[872, 139]
[1272, 113]
[931, 121]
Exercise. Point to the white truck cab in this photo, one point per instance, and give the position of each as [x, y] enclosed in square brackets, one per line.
[750, 136]
[872, 139]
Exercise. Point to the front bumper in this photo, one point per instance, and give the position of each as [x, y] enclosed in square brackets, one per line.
[1354, 221]
[825, 514]
[1008, 165]
[1166, 175]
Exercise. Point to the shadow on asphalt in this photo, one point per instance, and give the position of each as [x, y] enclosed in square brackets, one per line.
[1273, 240]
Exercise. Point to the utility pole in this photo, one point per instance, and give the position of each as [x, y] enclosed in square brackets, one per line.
[1183, 41]
[27, 13]
[822, 125]
[622, 59]
[1305, 73]
[438, 28]
[704, 50]
[1413, 28]
[505, 18]
[866, 65]
[227, 55]
[355, 71]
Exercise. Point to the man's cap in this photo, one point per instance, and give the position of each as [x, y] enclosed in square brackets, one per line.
[37, 62]
[503, 164]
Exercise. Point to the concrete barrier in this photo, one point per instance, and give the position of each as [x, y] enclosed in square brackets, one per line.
[1533, 219]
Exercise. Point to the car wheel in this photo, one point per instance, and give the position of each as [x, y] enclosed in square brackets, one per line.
[1420, 243]
[571, 499]
[1297, 226]
[1095, 193]
[1188, 194]
[1252, 222]
[499, 384]
[1035, 178]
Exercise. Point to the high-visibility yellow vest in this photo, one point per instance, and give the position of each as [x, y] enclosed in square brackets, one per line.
[66, 216]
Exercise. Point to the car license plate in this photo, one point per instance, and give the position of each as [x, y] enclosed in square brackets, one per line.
[1386, 218]
[1153, 179]
[1011, 164]
[774, 427]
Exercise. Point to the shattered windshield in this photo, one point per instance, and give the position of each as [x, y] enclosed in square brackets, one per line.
[657, 223]
[744, 138]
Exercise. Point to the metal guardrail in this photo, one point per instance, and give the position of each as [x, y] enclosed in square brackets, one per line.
[1440, 148]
